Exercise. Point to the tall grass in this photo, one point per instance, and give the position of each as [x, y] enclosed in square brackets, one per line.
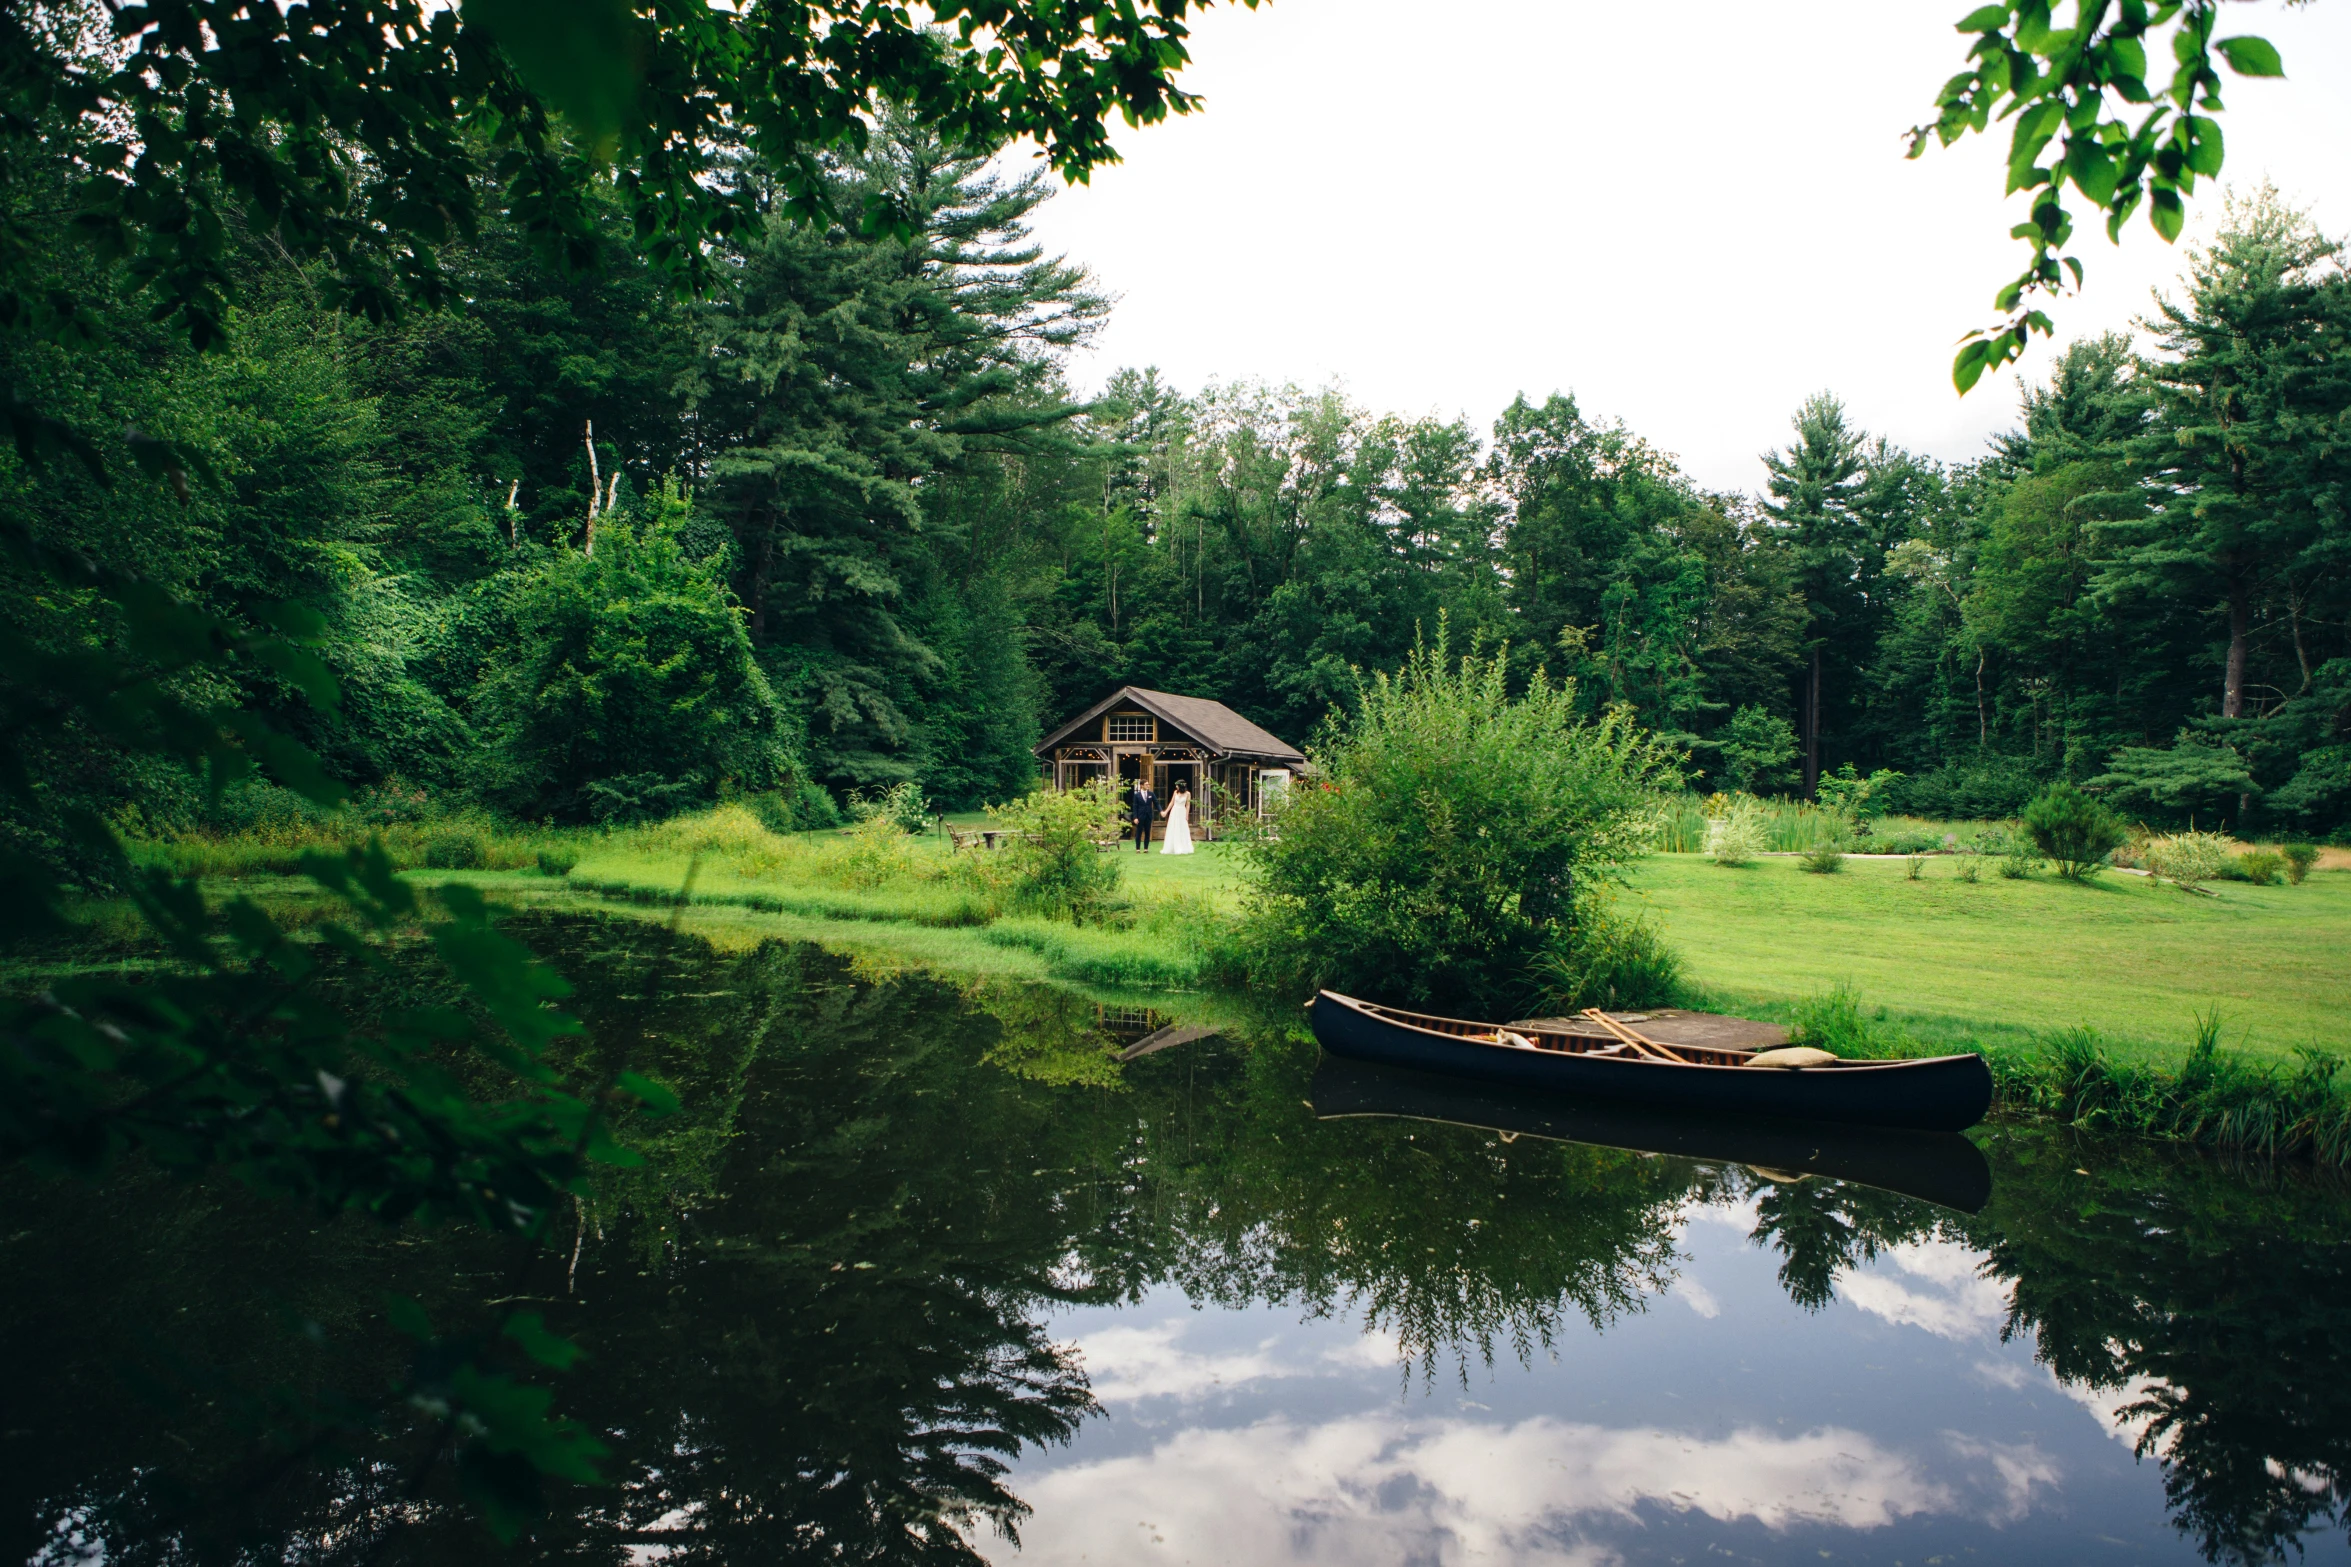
[1797, 826]
[2212, 1100]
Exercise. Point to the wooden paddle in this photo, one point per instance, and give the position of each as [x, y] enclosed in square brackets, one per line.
[1646, 1046]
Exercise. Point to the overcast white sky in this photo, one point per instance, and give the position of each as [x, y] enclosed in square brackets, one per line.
[1690, 216]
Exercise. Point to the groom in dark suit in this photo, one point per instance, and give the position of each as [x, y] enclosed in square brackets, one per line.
[1141, 810]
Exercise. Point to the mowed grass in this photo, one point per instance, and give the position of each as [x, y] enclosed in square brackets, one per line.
[2135, 959]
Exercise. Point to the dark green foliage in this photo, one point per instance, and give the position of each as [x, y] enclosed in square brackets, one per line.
[632, 690]
[2299, 858]
[1823, 859]
[1613, 963]
[1451, 837]
[1756, 748]
[1057, 861]
[2261, 867]
[2188, 776]
[2073, 831]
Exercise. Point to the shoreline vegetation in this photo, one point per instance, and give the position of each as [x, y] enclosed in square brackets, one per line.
[2184, 1043]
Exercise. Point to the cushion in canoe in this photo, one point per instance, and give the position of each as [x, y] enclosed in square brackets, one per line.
[1791, 1057]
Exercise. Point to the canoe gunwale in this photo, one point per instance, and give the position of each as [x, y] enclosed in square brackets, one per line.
[1946, 1093]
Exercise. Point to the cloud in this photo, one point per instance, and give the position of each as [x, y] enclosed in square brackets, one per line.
[1148, 1362]
[1696, 1296]
[1954, 1300]
[1379, 1489]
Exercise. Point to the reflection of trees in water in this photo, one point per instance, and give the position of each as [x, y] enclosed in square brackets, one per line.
[2213, 1303]
[1455, 1242]
[2225, 1294]
[813, 1319]
[1822, 1228]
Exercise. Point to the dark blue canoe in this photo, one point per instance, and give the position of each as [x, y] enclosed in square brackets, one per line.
[1938, 1093]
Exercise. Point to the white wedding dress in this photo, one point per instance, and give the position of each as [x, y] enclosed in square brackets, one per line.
[1179, 826]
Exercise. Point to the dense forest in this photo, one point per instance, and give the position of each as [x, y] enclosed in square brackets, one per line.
[588, 550]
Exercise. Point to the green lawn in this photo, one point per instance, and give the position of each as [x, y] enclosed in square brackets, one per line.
[2132, 958]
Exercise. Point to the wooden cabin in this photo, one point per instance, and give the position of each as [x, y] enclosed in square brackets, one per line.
[1133, 734]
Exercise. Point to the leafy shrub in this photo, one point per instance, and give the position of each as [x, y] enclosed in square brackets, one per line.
[1057, 868]
[2018, 863]
[455, 849]
[1911, 841]
[1918, 867]
[877, 852]
[2189, 859]
[1994, 788]
[1614, 964]
[1735, 837]
[2073, 830]
[902, 805]
[2299, 858]
[632, 689]
[2260, 866]
[1755, 749]
[557, 862]
[1832, 1021]
[2191, 775]
[1994, 840]
[1847, 794]
[1823, 859]
[1451, 836]
[1970, 869]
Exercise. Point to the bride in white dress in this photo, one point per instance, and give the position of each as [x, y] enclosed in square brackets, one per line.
[1179, 822]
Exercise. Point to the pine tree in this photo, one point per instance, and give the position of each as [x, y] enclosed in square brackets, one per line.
[1814, 486]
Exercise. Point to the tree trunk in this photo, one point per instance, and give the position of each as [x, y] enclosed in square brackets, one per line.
[1812, 727]
[1983, 723]
[2232, 694]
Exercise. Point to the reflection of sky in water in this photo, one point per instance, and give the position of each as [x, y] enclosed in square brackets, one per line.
[1723, 1423]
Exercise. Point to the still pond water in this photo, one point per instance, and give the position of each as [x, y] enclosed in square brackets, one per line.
[919, 1271]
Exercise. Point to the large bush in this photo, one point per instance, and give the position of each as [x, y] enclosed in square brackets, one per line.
[1449, 837]
[1058, 867]
[2074, 831]
[631, 693]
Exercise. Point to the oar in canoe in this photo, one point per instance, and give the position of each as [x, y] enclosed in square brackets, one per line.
[1594, 1056]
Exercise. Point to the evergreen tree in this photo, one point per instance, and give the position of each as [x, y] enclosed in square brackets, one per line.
[1814, 486]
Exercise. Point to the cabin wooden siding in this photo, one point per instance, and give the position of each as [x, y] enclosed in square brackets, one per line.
[1159, 736]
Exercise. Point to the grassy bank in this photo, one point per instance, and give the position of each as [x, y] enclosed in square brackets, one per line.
[2123, 1003]
[2005, 962]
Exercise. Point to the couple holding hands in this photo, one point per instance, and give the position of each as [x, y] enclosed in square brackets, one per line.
[1143, 809]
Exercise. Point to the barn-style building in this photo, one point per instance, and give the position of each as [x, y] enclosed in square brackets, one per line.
[1132, 734]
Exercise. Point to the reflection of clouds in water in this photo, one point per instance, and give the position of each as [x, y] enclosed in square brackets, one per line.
[1943, 1290]
[2108, 1404]
[1741, 1216]
[1381, 1489]
[1148, 1362]
[1696, 1296]
[2016, 1469]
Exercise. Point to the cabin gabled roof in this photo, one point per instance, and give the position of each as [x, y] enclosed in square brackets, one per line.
[1212, 724]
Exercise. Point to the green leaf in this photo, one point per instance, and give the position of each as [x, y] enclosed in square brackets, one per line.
[529, 1329]
[406, 1316]
[1984, 19]
[1968, 368]
[2249, 56]
[583, 57]
[2205, 146]
[2091, 169]
[656, 1099]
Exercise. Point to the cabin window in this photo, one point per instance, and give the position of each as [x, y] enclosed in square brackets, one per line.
[1140, 727]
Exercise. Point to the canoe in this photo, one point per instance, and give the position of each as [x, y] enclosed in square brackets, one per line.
[1938, 1093]
[1943, 1168]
